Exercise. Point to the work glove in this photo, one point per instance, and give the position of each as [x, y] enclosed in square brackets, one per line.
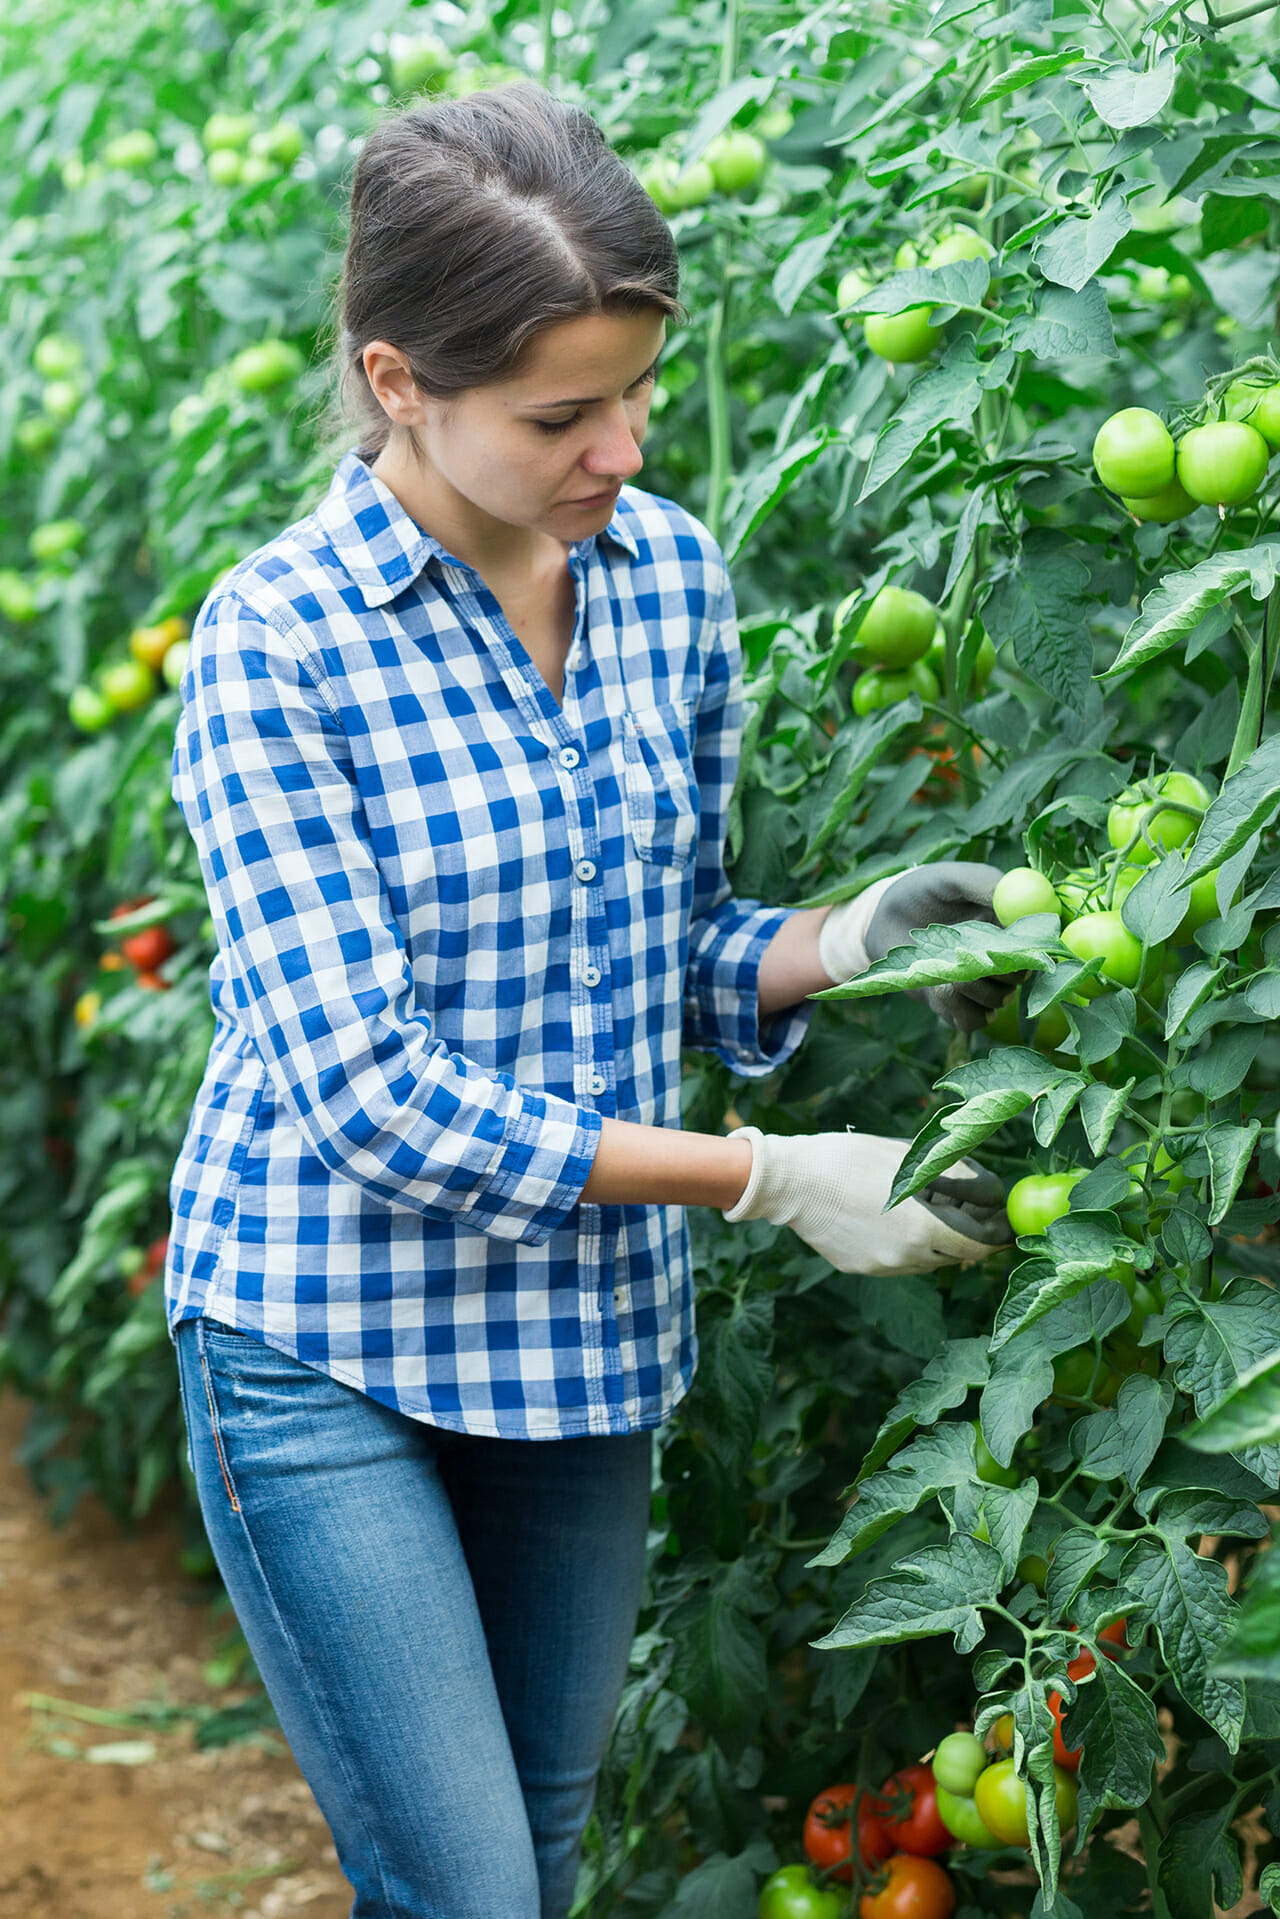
[861, 931]
[831, 1189]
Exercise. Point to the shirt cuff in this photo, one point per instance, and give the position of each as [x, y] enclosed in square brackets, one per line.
[722, 990]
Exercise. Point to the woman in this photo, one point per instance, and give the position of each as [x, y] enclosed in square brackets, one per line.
[456, 751]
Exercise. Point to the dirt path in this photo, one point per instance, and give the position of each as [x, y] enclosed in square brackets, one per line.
[92, 1617]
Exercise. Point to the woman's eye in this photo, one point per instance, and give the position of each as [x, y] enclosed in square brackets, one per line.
[562, 426]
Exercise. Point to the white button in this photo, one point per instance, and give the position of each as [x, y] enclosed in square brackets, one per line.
[569, 756]
[585, 870]
[596, 1083]
[591, 976]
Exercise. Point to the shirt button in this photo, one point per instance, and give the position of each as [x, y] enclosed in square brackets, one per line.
[585, 869]
[596, 1083]
[591, 976]
[569, 756]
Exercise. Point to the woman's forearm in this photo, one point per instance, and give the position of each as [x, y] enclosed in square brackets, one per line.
[790, 969]
[662, 1166]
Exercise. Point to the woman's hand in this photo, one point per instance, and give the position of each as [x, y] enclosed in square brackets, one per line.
[831, 1189]
[862, 931]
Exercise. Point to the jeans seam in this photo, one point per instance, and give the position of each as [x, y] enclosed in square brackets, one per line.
[217, 1435]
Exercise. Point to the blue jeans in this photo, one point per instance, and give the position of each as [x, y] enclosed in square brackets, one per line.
[442, 1622]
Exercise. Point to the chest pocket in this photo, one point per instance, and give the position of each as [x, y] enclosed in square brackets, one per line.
[660, 794]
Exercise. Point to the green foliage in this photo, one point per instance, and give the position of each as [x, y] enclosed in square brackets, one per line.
[822, 1604]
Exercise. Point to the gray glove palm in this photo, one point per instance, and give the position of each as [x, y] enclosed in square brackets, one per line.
[941, 895]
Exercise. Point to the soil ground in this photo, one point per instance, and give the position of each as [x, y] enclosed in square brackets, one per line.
[101, 1620]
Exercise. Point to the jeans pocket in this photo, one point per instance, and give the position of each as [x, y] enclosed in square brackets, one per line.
[660, 794]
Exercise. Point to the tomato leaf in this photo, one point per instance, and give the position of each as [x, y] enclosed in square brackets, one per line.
[1230, 1149]
[1072, 251]
[1130, 94]
[1008, 1511]
[1066, 323]
[1191, 1613]
[1252, 1651]
[1247, 802]
[1115, 1723]
[1181, 600]
[1213, 1343]
[1076, 1555]
[962, 283]
[1121, 1441]
[969, 950]
[1198, 1864]
[719, 1666]
[751, 500]
[1100, 1026]
[1100, 1110]
[948, 1136]
[1249, 1415]
[1081, 1249]
[935, 1590]
[1040, 606]
[944, 1384]
[944, 1457]
[1023, 73]
[836, 795]
[946, 395]
[1191, 1511]
[1190, 990]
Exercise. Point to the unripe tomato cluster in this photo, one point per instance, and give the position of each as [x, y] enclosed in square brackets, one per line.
[58, 361]
[906, 337]
[156, 654]
[732, 164]
[901, 646]
[968, 1796]
[1221, 463]
[239, 153]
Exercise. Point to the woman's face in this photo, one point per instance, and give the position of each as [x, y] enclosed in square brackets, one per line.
[531, 451]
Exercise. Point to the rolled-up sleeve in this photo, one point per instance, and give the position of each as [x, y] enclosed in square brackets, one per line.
[728, 936]
[317, 963]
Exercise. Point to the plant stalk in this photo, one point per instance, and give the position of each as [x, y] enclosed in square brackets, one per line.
[1262, 662]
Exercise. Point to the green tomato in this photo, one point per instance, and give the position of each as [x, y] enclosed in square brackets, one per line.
[225, 167]
[983, 665]
[227, 131]
[89, 710]
[1052, 1028]
[1259, 405]
[36, 434]
[852, 287]
[54, 539]
[1105, 936]
[1172, 502]
[270, 364]
[423, 63]
[1145, 1302]
[1202, 905]
[1034, 1568]
[775, 123]
[902, 338]
[792, 1894]
[17, 597]
[127, 685]
[989, 1468]
[960, 1757]
[1161, 828]
[1000, 1802]
[280, 144]
[962, 243]
[907, 256]
[1079, 890]
[896, 628]
[737, 159]
[1022, 892]
[874, 690]
[1035, 1201]
[256, 170]
[1221, 464]
[57, 356]
[960, 1815]
[1133, 453]
[61, 398]
[1081, 1374]
[130, 150]
[174, 663]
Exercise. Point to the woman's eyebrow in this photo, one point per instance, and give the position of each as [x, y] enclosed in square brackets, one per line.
[542, 406]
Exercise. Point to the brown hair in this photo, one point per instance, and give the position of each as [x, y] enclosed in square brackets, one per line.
[476, 223]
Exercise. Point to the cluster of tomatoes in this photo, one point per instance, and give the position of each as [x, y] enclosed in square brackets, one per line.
[145, 951]
[125, 685]
[901, 646]
[967, 1796]
[903, 338]
[1221, 463]
[732, 163]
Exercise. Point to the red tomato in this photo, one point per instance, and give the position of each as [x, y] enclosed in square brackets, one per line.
[152, 982]
[148, 949]
[826, 1829]
[918, 1829]
[915, 1889]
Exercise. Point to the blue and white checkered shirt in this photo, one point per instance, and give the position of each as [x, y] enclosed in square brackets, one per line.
[456, 925]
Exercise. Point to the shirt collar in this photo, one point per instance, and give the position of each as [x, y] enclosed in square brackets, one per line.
[383, 549]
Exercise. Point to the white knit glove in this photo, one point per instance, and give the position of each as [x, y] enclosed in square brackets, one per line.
[842, 936]
[830, 1188]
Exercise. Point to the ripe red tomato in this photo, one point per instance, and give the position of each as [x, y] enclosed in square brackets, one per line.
[148, 949]
[918, 1828]
[826, 1829]
[1068, 1756]
[915, 1889]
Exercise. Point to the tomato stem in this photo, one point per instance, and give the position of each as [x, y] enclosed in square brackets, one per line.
[718, 402]
[1262, 661]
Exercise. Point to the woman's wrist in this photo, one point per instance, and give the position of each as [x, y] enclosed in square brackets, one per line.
[663, 1166]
